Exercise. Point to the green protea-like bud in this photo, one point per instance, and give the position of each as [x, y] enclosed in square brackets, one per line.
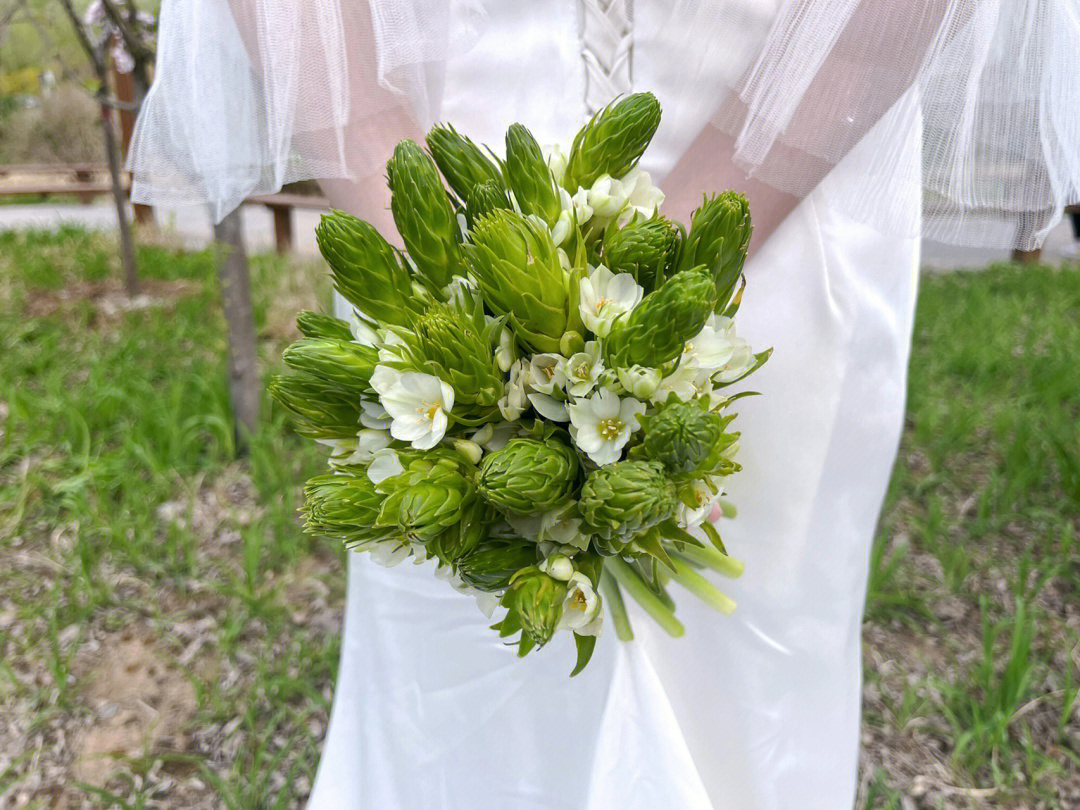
[492, 564]
[613, 141]
[317, 325]
[528, 475]
[681, 436]
[537, 601]
[482, 200]
[344, 507]
[622, 499]
[424, 216]
[319, 410]
[719, 237]
[462, 162]
[517, 268]
[367, 270]
[340, 363]
[530, 178]
[644, 249]
[656, 331]
[424, 504]
[457, 347]
[461, 538]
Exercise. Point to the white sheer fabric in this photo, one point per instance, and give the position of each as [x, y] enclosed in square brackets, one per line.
[254, 93]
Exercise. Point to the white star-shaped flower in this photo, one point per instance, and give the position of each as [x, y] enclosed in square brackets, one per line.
[605, 296]
[418, 404]
[603, 423]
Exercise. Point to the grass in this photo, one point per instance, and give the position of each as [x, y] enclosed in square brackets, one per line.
[125, 514]
[972, 627]
[169, 637]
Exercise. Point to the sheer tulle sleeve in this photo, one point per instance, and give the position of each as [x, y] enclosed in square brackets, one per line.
[267, 91]
[252, 94]
[998, 84]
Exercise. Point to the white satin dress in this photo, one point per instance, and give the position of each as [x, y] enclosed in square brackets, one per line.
[759, 711]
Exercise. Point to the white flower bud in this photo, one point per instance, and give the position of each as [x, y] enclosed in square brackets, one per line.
[639, 381]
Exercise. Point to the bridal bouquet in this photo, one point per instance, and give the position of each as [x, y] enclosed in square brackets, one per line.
[532, 393]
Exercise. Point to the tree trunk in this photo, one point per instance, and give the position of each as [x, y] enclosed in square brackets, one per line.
[127, 248]
[244, 386]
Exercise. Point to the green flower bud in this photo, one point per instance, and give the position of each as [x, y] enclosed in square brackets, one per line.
[680, 437]
[423, 506]
[482, 200]
[457, 347]
[341, 363]
[367, 270]
[464, 536]
[613, 141]
[462, 162]
[319, 410]
[530, 178]
[492, 564]
[538, 600]
[343, 507]
[622, 499]
[719, 237]
[640, 382]
[645, 249]
[317, 325]
[517, 268]
[528, 475]
[656, 331]
[424, 216]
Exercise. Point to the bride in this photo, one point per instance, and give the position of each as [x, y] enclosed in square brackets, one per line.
[855, 127]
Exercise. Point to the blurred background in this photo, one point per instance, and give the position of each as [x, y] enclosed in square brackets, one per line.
[169, 637]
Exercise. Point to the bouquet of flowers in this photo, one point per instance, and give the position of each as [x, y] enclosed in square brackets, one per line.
[532, 393]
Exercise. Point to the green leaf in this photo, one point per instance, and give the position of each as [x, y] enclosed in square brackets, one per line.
[585, 647]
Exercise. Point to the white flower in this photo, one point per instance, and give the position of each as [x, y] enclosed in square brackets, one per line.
[494, 437]
[384, 464]
[556, 161]
[558, 566]
[389, 347]
[374, 416]
[554, 410]
[639, 381]
[583, 370]
[603, 424]
[547, 372]
[713, 346]
[505, 354]
[368, 442]
[389, 554]
[605, 296]
[360, 326]
[742, 358]
[578, 204]
[560, 527]
[705, 496]
[642, 197]
[418, 404]
[683, 382]
[607, 197]
[581, 608]
[513, 402]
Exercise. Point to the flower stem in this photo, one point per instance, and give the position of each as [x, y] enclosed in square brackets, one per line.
[709, 557]
[704, 590]
[616, 606]
[636, 587]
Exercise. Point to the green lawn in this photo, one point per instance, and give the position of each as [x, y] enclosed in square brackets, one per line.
[169, 637]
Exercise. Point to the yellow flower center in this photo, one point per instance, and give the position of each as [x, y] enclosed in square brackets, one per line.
[600, 304]
[550, 371]
[609, 428]
[428, 410]
[578, 601]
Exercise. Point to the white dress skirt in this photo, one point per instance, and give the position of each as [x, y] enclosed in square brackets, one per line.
[759, 711]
